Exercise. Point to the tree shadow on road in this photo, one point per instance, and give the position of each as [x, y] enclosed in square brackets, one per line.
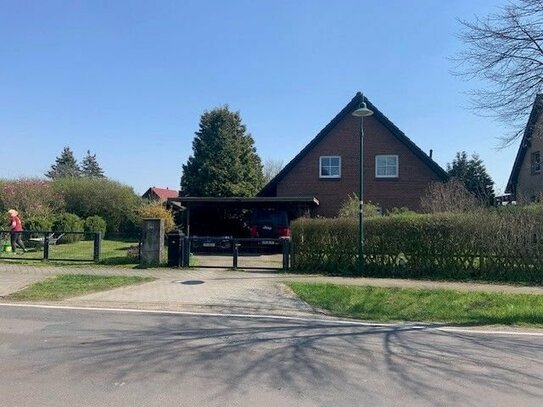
[351, 360]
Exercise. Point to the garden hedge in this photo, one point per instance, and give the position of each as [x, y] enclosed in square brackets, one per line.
[493, 245]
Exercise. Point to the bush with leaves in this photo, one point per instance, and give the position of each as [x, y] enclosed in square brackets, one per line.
[38, 223]
[451, 196]
[350, 208]
[31, 197]
[157, 211]
[114, 202]
[68, 223]
[95, 224]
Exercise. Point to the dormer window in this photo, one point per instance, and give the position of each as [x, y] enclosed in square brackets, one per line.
[330, 167]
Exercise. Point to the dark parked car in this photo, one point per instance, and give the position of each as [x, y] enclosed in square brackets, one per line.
[270, 224]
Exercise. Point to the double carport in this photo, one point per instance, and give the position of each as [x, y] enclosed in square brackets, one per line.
[199, 207]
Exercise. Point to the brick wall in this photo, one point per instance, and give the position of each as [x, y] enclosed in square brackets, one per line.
[530, 186]
[343, 140]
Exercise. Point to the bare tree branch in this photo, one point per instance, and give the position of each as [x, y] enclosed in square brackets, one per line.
[505, 50]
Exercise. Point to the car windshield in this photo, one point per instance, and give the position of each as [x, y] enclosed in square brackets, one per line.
[274, 217]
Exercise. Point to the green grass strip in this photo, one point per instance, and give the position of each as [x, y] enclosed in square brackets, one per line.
[423, 305]
[71, 285]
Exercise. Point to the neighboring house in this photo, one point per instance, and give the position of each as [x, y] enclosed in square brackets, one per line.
[159, 194]
[526, 181]
[396, 171]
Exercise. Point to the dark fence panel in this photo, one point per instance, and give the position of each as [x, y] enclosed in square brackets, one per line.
[61, 246]
[244, 253]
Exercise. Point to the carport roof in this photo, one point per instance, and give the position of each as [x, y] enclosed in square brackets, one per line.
[245, 202]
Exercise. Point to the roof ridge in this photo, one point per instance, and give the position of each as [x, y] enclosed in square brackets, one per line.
[350, 107]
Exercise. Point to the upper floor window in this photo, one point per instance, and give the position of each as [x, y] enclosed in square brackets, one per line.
[386, 166]
[330, 167]
[536, 162]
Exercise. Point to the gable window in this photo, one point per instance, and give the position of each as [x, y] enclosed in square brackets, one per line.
[330, 167]
[536, 163]
[386, 166]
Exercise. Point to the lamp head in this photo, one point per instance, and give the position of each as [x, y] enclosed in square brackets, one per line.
[362, 111]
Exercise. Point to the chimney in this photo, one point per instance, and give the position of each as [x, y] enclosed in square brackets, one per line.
[431, 152]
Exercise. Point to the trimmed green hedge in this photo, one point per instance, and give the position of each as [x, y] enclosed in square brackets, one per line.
[493, 245]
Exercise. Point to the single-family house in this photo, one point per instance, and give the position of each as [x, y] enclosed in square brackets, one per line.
[526, 181]
[396, 172]
[159, 194]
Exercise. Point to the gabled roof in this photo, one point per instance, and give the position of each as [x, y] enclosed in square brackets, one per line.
[163, 193]
[347, 110]
[525, 143]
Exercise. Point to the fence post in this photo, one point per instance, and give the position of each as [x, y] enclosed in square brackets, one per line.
[97, 246]
[286, 250]
[46, 247]
[186, 252]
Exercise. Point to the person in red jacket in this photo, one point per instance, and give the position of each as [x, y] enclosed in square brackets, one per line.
[15, 231]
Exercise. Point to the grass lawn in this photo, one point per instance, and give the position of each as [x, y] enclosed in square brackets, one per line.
[423, 305]
[71, 285]
[113, 252]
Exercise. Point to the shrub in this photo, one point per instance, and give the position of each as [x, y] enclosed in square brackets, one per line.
[68, 222]
[487, 245]
[95, 224]
[157, 210]
[350, 208]
[38, 223]
[451, 196]
[31, 197]
[114, 202]
[401, 212]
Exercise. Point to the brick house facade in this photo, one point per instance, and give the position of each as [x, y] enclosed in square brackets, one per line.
[526, 179]
[396, 172]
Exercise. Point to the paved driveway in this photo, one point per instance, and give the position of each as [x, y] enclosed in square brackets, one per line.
[219, 290]
[174, 289]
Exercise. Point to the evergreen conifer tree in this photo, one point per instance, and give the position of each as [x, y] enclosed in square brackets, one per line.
[224, 161]
[65, 166]
[472, 173]
[90, 166]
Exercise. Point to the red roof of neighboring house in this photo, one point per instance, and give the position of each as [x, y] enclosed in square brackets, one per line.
[164, 193]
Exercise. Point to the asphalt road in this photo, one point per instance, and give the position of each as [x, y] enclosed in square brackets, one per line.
[71, 358]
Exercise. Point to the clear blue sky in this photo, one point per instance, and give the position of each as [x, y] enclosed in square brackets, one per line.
[129, 79]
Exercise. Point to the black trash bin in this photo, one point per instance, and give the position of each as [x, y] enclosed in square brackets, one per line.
[175, 248]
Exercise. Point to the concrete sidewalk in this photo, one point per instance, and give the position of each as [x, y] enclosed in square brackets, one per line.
[218, 290]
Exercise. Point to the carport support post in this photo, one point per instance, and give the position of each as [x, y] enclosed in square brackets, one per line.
[235, 248]
[97, 246]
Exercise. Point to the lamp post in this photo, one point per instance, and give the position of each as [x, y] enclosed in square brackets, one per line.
[361, 112]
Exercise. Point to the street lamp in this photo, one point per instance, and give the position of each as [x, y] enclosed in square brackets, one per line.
[361, 112]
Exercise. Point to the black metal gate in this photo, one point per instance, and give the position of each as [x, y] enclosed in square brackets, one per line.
[228, 252]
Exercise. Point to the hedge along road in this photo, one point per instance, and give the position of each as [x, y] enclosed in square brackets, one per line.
[96, 358]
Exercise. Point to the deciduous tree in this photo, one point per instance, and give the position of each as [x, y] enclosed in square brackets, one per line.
[505, 51]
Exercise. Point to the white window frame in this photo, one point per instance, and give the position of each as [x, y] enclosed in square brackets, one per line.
[320, 166]
[386, 156]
